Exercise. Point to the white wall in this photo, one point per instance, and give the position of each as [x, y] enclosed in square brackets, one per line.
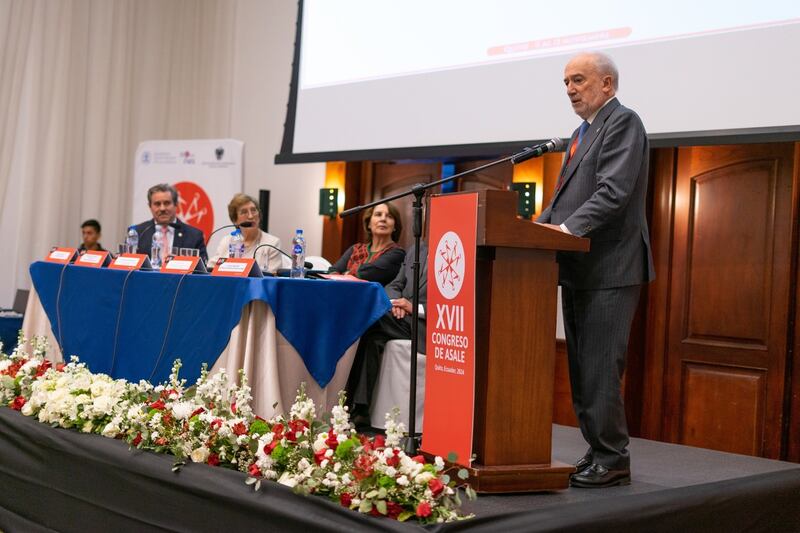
[265, 32]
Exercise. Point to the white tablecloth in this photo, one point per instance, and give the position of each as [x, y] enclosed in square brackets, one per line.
[274, 368]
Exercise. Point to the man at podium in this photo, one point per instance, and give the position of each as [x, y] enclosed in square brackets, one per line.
[600, 195]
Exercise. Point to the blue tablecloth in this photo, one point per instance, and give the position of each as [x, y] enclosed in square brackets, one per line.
[133, 325]
[9, 330]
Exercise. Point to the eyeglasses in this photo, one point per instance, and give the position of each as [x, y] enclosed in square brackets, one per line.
[250, 211]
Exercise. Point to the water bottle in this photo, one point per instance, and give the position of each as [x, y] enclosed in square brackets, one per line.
[132, 240]
[236, 246]
[155, 250]
[298, 255]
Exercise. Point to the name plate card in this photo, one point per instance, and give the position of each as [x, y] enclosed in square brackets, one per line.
[131, 262]
[244, 267]
[63, 256]
[184, 264]
[92, 258]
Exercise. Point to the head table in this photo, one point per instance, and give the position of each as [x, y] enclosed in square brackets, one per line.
[134, 324]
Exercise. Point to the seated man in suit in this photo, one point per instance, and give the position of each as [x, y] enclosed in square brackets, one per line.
[396, 324]
[163, 202]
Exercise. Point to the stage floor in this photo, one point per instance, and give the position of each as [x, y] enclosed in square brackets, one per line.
[62, 480]
[667, 474]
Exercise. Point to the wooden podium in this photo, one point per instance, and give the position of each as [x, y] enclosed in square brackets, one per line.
[515, 332]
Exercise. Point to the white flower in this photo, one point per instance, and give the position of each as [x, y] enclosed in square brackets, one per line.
[111, 430]
[390, 471]
[402, 481]
[200, 455]
[287, 479]
[439, 462]
[182, 410]
[423, 477]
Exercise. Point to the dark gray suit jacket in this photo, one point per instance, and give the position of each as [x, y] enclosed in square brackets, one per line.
[603, 197]
[186, 236]
[402, 286]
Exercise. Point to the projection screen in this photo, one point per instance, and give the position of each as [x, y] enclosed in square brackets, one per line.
[374, 79]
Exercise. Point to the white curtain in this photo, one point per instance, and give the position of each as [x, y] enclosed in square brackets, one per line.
[82, 82]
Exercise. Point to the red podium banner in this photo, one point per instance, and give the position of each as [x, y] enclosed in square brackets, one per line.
[450, 361]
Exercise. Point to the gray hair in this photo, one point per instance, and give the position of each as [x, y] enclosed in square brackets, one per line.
[606, 67]
[162, 187]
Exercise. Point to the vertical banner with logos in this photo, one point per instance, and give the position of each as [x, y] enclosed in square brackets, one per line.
[206, 172]
[450, 316]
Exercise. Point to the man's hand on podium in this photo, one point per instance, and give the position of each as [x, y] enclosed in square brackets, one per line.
[551, 226]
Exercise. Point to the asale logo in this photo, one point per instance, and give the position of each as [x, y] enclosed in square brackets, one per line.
[449, 265]
[194, 206]
[145, 157]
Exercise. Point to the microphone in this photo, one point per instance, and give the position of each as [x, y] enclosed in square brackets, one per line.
[245, 224]
[553, 145]
[307, 264]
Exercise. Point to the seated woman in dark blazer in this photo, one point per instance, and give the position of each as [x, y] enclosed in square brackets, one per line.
[379, 258]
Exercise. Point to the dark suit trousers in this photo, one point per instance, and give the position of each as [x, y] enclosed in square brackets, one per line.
[597, 324]
[369, 355]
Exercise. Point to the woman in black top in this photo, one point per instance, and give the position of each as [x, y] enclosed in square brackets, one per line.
[379, 258]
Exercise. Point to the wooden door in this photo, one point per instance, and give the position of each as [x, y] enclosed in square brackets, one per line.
[729, 298]
[392, 178]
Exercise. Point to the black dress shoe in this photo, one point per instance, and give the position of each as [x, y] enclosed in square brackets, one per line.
[583, 462]
[598, 476]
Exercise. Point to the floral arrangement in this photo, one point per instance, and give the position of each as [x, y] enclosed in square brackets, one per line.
[212, 422]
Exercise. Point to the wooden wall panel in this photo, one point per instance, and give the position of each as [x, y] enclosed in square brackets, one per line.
[392, 178]
[713, 397]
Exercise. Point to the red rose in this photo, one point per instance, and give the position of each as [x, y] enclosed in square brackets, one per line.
[346, 499]
[161, 441]
[42, 368]
[254, 470]
[239, 429]
[436, 486]
[197, 411]
[419, 459]
[362, 468]
[60, 367]
[277, 430]
[166, 417]
[213, 459]
[233, 407]
[137, 439]
[158, 405]
[167, 393]
[393, 510]
[423, 509]
[332, 442]
[271, 446]
[216, 423]
[379, 441]
[18, 402]
[320, 456]
[394, 460]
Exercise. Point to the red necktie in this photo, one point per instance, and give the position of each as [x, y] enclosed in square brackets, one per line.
[573, 147]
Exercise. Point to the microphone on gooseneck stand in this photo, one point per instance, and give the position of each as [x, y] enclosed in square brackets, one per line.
[553, 145]
[245, 224]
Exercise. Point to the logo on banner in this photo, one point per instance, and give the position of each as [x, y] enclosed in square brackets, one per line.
[449, 265]
[188, 157]
[219, 152]
[145, 157]
[194, 207]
